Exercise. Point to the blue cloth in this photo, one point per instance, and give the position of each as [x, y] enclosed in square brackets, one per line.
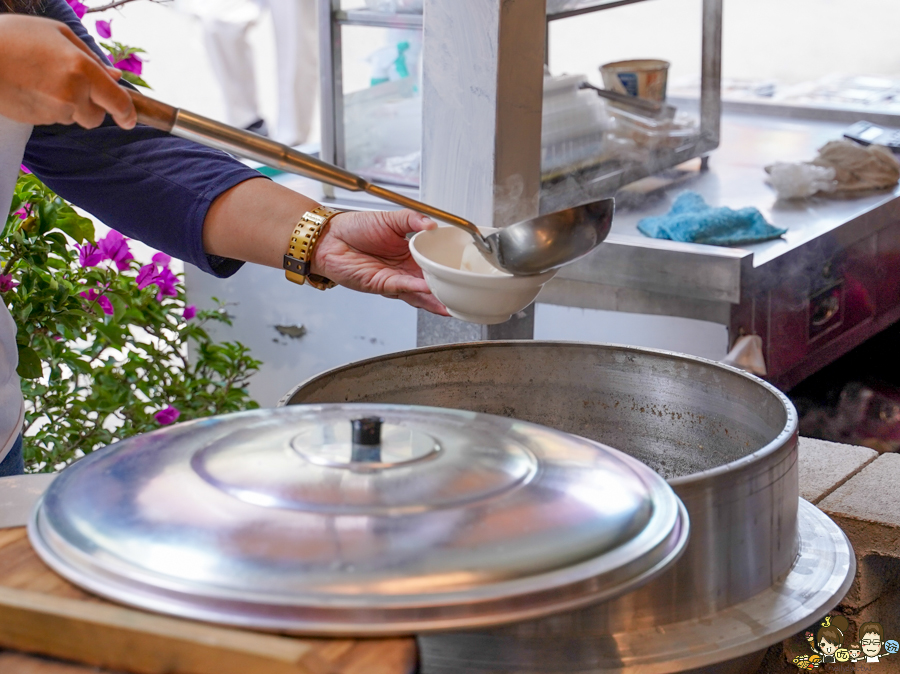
[144, 183]
[692, 220]
[13, 463]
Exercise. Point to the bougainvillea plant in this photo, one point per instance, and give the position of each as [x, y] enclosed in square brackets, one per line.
[103, 340]
[124, 58]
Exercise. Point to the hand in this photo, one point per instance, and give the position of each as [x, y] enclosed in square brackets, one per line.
[49, 76]
[368, 252]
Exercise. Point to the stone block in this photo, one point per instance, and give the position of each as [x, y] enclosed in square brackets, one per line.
[867, 510]
[875, 575]
[866, 507]
[824, 466]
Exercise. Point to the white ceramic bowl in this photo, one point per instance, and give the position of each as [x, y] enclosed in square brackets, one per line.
[468, 295]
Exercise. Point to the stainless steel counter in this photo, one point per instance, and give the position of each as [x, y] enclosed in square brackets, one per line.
[828, 284]
[736, 179]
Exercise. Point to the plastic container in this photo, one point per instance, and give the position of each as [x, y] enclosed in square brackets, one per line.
[644, 78]
[653, 134]
[573, 127]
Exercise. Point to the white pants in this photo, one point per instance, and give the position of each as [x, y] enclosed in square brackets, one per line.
[225, 26]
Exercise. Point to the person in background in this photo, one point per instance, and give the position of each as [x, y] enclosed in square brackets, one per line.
[64, 116]
[225, 27]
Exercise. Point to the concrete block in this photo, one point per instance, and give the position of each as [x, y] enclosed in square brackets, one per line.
[824, 466]
[866, 507]
[875, 575]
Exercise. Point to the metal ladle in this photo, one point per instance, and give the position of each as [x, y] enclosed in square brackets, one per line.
[528, 247]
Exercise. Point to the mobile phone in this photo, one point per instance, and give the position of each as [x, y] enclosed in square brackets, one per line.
[867, 133]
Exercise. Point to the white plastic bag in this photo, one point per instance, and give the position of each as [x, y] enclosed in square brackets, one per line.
[798, 181]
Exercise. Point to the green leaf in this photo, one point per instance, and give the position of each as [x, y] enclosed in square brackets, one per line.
[79, 228]
[113, 334]
[119, 307]
[55, 263]
[135, 80]
[120, 50]
[29, 363]
[47, 212]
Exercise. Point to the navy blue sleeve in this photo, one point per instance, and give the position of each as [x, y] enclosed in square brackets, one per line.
[144, 183]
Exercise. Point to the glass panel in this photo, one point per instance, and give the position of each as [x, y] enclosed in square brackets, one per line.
[816, 55]
[383, 103]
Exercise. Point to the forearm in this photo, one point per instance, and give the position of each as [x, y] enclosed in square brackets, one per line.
[360, 250]
[253, 222]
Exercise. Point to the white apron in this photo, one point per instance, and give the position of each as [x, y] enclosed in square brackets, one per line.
[13, 138]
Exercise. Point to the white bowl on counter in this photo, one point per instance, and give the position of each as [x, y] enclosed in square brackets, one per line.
[477, 292]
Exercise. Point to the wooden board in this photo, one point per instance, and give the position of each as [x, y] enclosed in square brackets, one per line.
[40, 612]
[20, 663]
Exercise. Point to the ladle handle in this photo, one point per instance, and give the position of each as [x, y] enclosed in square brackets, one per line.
[271, 153]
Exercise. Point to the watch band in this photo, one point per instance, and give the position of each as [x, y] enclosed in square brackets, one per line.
[300, 249]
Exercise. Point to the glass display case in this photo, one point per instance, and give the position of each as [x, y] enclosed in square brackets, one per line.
[372, 107]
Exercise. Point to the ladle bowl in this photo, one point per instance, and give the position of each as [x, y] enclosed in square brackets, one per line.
[553, 240]
[528, 247]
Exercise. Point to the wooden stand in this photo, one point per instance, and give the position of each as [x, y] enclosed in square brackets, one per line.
[44, 614]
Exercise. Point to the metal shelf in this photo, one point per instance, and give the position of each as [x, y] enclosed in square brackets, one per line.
[605, 179]
[366, 17]
[600, 181]
[585, 7]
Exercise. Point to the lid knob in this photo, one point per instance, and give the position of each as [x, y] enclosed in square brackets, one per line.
[367, 440]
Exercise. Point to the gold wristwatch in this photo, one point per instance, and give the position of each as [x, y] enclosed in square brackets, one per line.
[303, 241]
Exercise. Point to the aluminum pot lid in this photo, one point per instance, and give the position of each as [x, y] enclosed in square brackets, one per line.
[358, 519]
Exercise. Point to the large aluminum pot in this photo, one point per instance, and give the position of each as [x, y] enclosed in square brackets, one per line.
[725, 441]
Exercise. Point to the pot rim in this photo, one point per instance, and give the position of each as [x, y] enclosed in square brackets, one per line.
[789, 431]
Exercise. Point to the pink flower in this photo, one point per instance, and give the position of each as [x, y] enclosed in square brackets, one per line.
[146, 276]
[166, 281]
[132, 63]
[115, 247]
[163, 278]
[101, 300]
[79, 7]
[23, 212]
[88, 255]
[23, 168]
[104, 29]
[167, 415]
[6, 283]
[189, 311]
